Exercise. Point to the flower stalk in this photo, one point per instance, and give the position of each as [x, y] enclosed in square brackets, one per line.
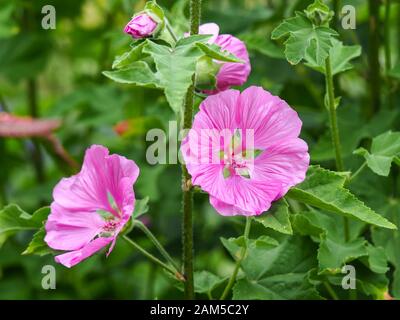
[332, 115]
[153, 258]
[158, 245]
[335, 129]
[243, 253]
[187, 198]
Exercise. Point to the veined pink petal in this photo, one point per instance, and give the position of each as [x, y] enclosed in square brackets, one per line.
[71, 230]
[287, 162]
[72, 258]
[270, 117]
[141, 26]
[233, 74]
[94, 204]
[245, 196]
[210, 28]
[99, 178]
[230, 74]
[218, 112]
[238, 183]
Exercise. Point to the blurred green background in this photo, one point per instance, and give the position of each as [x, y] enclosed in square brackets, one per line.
[57, 74]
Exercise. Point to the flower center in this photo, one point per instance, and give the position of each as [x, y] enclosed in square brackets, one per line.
[110, 226]
[238, 161]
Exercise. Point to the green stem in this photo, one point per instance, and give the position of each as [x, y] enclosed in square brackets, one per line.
[330, 290]
[151, 257]
[239, 261]
[335, 129]
[171, 31]
[373, 57]
[359, 170]
[337, 8]
[388, 53]
[388, 56]
[187, 197]
[36, 154]
[157, 244]
[332, 115]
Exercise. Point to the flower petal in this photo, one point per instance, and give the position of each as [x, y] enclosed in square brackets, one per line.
[66, 230]
[210, 28]
[287, 162]
[270, 117]
[101, 175]
[218, 112]
[234, 195]
[233, 74]
[72, 258]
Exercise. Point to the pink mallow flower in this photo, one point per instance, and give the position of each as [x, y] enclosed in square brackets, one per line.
[243, 149]
[230, 74]
[91, 208]
[141, 26]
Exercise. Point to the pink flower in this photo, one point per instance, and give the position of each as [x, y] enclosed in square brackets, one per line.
[141, 26]
[244, 150]
[230, 74]
[91, 208]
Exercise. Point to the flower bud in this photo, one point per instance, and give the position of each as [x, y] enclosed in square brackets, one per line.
[141, 26]
[206, 73]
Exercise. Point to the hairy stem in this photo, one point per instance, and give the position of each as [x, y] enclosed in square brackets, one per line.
[337, 8]
[373, 57]
[332, 115]
[151, 257]
[359, 170]
[239, 261]
[171, 31]
[187, 198]
[335, 129]
[157, 244]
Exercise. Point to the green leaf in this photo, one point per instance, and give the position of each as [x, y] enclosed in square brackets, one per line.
[324, 189]
[277, 271]
[13, 219]
[135, 54]
[384, 150]
[390, 241]
[319, 13]
[376, 260]
[304, 38]
[372, 284]
[154, 10]
[206, 282]
[262, 44]
[340, 55]
[194, 39]
[138, 73]
[214, 51]
[38, 246]
[316, 223]
[24, 55]
[8, 25]
[332, 255]
[277, 218]
[176, 67]
[141, 207]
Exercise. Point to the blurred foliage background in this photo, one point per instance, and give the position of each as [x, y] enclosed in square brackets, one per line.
[57, 74]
